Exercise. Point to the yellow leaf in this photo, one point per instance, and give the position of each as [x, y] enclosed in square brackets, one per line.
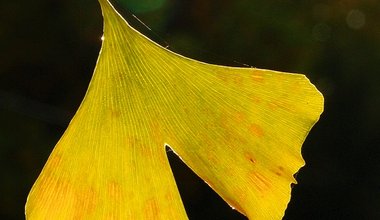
[239, 129]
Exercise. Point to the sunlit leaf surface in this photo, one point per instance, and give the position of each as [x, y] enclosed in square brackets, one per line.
[239, 129]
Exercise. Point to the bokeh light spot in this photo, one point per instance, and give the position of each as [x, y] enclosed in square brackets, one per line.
[355, 19]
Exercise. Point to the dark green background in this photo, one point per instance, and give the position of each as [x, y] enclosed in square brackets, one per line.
[48, 49]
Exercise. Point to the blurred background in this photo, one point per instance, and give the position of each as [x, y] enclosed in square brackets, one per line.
[48, 51]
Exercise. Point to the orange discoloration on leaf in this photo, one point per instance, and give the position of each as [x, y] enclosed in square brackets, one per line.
[257, 76]
[115, 191]
[255, 99]
[238, 80]
[234, 205]
[240, 117]
[87, 199]
[151, 209]
[241, 194]
[56, 160]
[256, 130]
[262, 183]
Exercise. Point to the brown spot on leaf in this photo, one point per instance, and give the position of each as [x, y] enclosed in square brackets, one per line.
[279, 171]
[250, 157]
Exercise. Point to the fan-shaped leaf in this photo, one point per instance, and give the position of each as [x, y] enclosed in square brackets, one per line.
[239, 129]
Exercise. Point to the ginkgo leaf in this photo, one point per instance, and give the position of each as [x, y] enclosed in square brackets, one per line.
[239, 129]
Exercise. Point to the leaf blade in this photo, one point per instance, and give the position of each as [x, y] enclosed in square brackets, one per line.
[240, 129]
